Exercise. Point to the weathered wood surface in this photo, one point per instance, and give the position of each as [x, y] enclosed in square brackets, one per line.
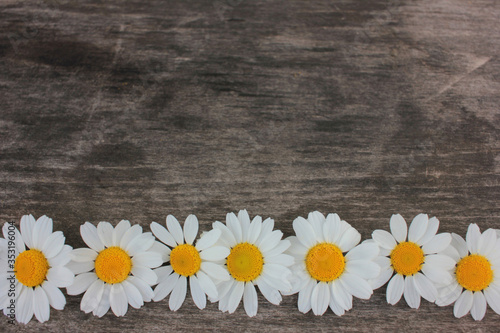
[139, 109]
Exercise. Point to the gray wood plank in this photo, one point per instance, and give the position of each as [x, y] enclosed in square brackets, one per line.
[137, 110]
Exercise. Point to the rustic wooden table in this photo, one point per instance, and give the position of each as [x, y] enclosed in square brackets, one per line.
[139, 109]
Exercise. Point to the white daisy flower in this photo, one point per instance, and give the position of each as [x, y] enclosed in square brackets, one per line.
[475, 276]
[116, 269]
[199, 263]
[256, 258]
[417, 262]
[31, 278]
[325, 275]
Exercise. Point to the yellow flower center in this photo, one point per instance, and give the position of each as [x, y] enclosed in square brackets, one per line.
[325, 262]
[185, 260]
[31, 268]
[474, 272]
[407, 258]
[245, 262]
[113, 265]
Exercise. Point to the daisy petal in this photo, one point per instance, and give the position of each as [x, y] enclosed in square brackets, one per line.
[244, 218]
[60, 276]
[134, 296]
[163, 272]
[449, 294]
[425, 287]
[207, 285]
[270, 241]
[226, 237]
[105, 233]
[463, 304]
[145, 290]
[411, 295]
[178, 294]
[208, 239]
[364, 251]
[92, 296]
[162, 250]
[278, 249]
[234, 225]
[459, 244]
[432, 228]
[304, 302]
[304, 232]
[62, 258]
[175, 229]
[27, 225]
[140, 243]
[437, 243]
[478, 309]
[41, 306]
[81, 283]
[190, 229]
[41, 231]
[55, 296]
[197, 293]
[281, 259]
[399, 228]
[493, 298]
[364, 268]
[89, 235]
[342, 298]
[118, 233]
[349, 239]
[118, 300]
[235, 297]
[254, 229]
[215, 253]
[103, 307]
[418, 227]
[320, 298]
[53, 244]
[472, 238]
[331, 228]
[128, 237]
[164, 288]
[271, 294]
[162, 234]
[384, 239]
[267, 228]
[148, 259]
[435, 274]
[24, 309]
[215, 271]
[385, 275]
[356, 286]
[487, 242]
[395, 289]
[250, 302]
[144, 273]
[316, 219]
[80, 267]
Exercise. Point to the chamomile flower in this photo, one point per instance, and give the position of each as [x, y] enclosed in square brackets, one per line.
[116, 269]
[475, 274]
[256, 258]
[199, 263]
[31, 278]
[416, 260]
[330, 267]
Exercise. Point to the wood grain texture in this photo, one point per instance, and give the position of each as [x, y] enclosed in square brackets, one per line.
[139, 109]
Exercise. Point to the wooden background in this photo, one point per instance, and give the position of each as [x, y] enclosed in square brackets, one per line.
[134, 110]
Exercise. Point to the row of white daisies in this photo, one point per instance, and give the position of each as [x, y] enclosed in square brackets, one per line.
[324, 263]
